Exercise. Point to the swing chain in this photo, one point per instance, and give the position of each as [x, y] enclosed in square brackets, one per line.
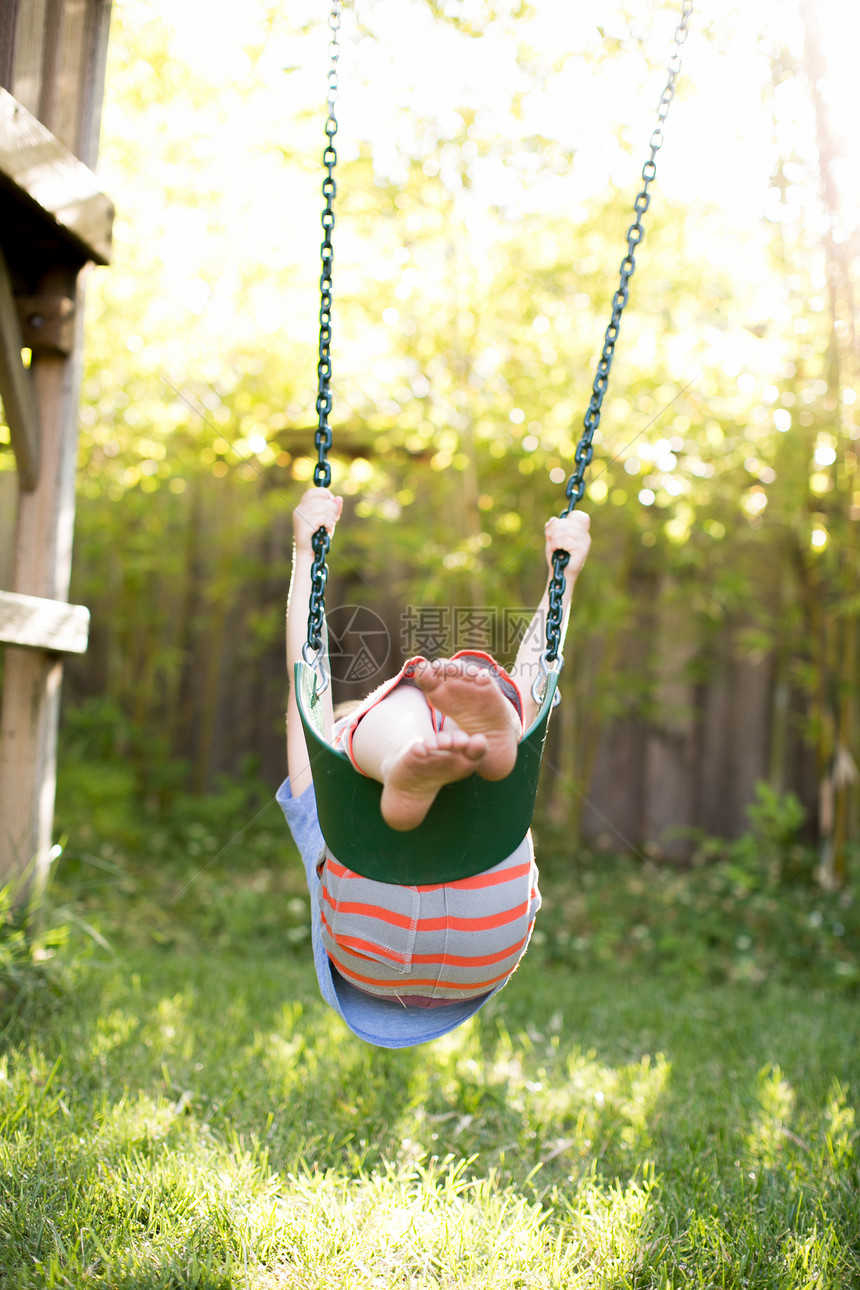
[323, 437]
[635, 233]
[319, 577]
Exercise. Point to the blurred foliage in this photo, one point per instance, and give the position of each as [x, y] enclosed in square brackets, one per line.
[750, 910]
[36, 969]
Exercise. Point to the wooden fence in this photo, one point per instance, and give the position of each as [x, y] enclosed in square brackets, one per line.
[196, 658]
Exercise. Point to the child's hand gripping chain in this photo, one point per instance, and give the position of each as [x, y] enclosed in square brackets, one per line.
[318, 508]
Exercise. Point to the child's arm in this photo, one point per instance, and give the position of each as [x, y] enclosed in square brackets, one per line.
[317, 507]
[565, 533]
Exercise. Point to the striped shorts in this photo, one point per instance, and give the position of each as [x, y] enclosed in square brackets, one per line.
[430, 945]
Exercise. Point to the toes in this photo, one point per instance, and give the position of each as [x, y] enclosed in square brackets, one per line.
[427, 676]
[455, 742]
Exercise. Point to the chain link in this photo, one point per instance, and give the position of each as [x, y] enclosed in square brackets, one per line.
[322, 439]
[635, 233]
[319, 577]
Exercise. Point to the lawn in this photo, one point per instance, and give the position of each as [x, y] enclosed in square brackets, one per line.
[649, 1103]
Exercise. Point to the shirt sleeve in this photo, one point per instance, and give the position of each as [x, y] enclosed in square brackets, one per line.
[301, 815]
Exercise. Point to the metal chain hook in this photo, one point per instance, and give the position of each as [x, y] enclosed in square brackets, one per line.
[584, 452]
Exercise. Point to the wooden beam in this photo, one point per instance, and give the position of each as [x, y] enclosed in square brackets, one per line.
[37, 623]
[28, 753]
[28, 28]
[98, 28]
[70, 69]
[8, 20]
[16, 390]
[47, 323]
[37, 167]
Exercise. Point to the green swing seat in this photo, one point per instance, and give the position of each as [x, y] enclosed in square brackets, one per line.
[472, 825]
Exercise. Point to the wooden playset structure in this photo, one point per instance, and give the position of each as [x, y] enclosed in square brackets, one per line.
[54, 223]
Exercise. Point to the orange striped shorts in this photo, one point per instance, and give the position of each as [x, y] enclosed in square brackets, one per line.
[432, 944]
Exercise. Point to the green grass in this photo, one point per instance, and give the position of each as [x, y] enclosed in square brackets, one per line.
[181, 1109]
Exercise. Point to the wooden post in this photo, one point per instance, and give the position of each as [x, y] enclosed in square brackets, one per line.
[42, 567]
[54, 216]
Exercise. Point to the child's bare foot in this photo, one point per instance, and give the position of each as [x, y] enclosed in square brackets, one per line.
[413, 777]
[470, 696]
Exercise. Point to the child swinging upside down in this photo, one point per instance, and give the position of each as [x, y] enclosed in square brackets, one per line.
[402, 965]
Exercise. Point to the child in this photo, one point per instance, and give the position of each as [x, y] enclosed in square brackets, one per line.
[403, 965]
